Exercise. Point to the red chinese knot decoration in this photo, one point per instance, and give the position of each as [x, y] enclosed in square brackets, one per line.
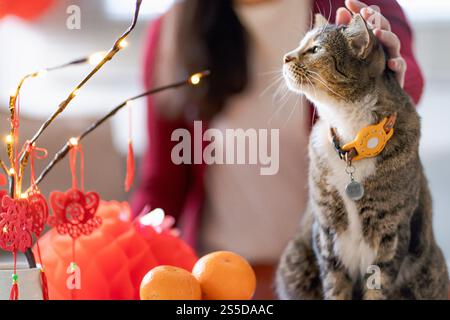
[15, 225]
[39, 211]
[74, 212]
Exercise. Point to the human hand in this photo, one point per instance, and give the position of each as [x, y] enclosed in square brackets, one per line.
[382, 30]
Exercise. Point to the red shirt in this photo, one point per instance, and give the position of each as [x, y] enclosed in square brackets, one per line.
[178, 189]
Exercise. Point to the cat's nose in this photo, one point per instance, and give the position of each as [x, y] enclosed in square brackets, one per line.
[288, 58]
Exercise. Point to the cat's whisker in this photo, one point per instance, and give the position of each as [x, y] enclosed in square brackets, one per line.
[270, 72]
[277, 110]
[322, 81]
[298, 29]
[316, 74]
[270, 86]
[311, 19]
[280, 92]
[291, 114]
[279, 96]
[324, 27]
[318, 8]
[329, 14]
[312, 85]
[327, 87]
[282, 103]
[299, 97]
[320, 12]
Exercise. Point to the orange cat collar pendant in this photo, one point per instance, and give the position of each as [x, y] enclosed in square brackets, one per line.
[370, 141]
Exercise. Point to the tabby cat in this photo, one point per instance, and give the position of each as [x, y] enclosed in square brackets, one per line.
[375, 240]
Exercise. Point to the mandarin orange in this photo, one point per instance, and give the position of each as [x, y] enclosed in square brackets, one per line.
[169, 283]
[225, 275]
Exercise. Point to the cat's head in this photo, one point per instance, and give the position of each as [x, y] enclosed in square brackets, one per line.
[337, 63]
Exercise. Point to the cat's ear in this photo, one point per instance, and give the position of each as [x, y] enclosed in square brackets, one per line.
[358, 35]
[319, 21]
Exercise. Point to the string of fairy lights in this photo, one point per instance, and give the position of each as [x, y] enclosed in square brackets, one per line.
[16, 168]
[92, 59]
[193, 80]
[17, 173]
[19, 158]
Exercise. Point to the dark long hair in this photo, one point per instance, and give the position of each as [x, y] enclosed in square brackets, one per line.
[210, 36]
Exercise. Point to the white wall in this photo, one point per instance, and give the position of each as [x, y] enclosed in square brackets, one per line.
[433, 47]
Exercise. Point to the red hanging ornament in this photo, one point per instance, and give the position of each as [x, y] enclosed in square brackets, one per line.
[15, 225]
[14, 293]
[130, 167]
[74, 212]
[44, 283]
[130, 158]
[38, 209]
[37, 204]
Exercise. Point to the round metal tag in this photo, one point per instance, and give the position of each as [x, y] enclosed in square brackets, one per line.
[354, 190]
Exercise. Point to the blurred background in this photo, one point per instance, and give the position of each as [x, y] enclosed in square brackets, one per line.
[31, 44]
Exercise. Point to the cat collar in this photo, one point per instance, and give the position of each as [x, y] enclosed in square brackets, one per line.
[369, 142]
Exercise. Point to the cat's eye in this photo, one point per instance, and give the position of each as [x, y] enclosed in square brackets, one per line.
[314, 49]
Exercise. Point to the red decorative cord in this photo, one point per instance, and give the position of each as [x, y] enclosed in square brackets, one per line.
[130, 158]
[73, 166]
[14, 294]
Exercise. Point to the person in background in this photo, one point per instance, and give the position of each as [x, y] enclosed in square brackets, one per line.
[233, 207]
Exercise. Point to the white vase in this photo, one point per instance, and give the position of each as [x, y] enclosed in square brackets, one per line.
[29, 281]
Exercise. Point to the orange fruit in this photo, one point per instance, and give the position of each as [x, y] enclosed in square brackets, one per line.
[169, 283]
[225, 275]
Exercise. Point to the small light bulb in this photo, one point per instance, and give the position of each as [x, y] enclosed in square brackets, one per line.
[12, 171]
[9, 139]
[123, 44]
[96, 58]
[195, 79]
[5, 229]
[73, 142]
[24, 196]
[13, 93]
[129, 103]
[75, 92]
[41, 73]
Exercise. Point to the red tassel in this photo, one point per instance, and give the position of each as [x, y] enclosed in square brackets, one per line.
[44, 285]
[130, 167]
[14, 294]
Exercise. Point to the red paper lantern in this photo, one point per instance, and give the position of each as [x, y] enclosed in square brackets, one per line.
[25, 9]
[114, 258]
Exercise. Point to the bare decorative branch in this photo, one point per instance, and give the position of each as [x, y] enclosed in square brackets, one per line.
[192, 80]
[63, 105]
[4, 167]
